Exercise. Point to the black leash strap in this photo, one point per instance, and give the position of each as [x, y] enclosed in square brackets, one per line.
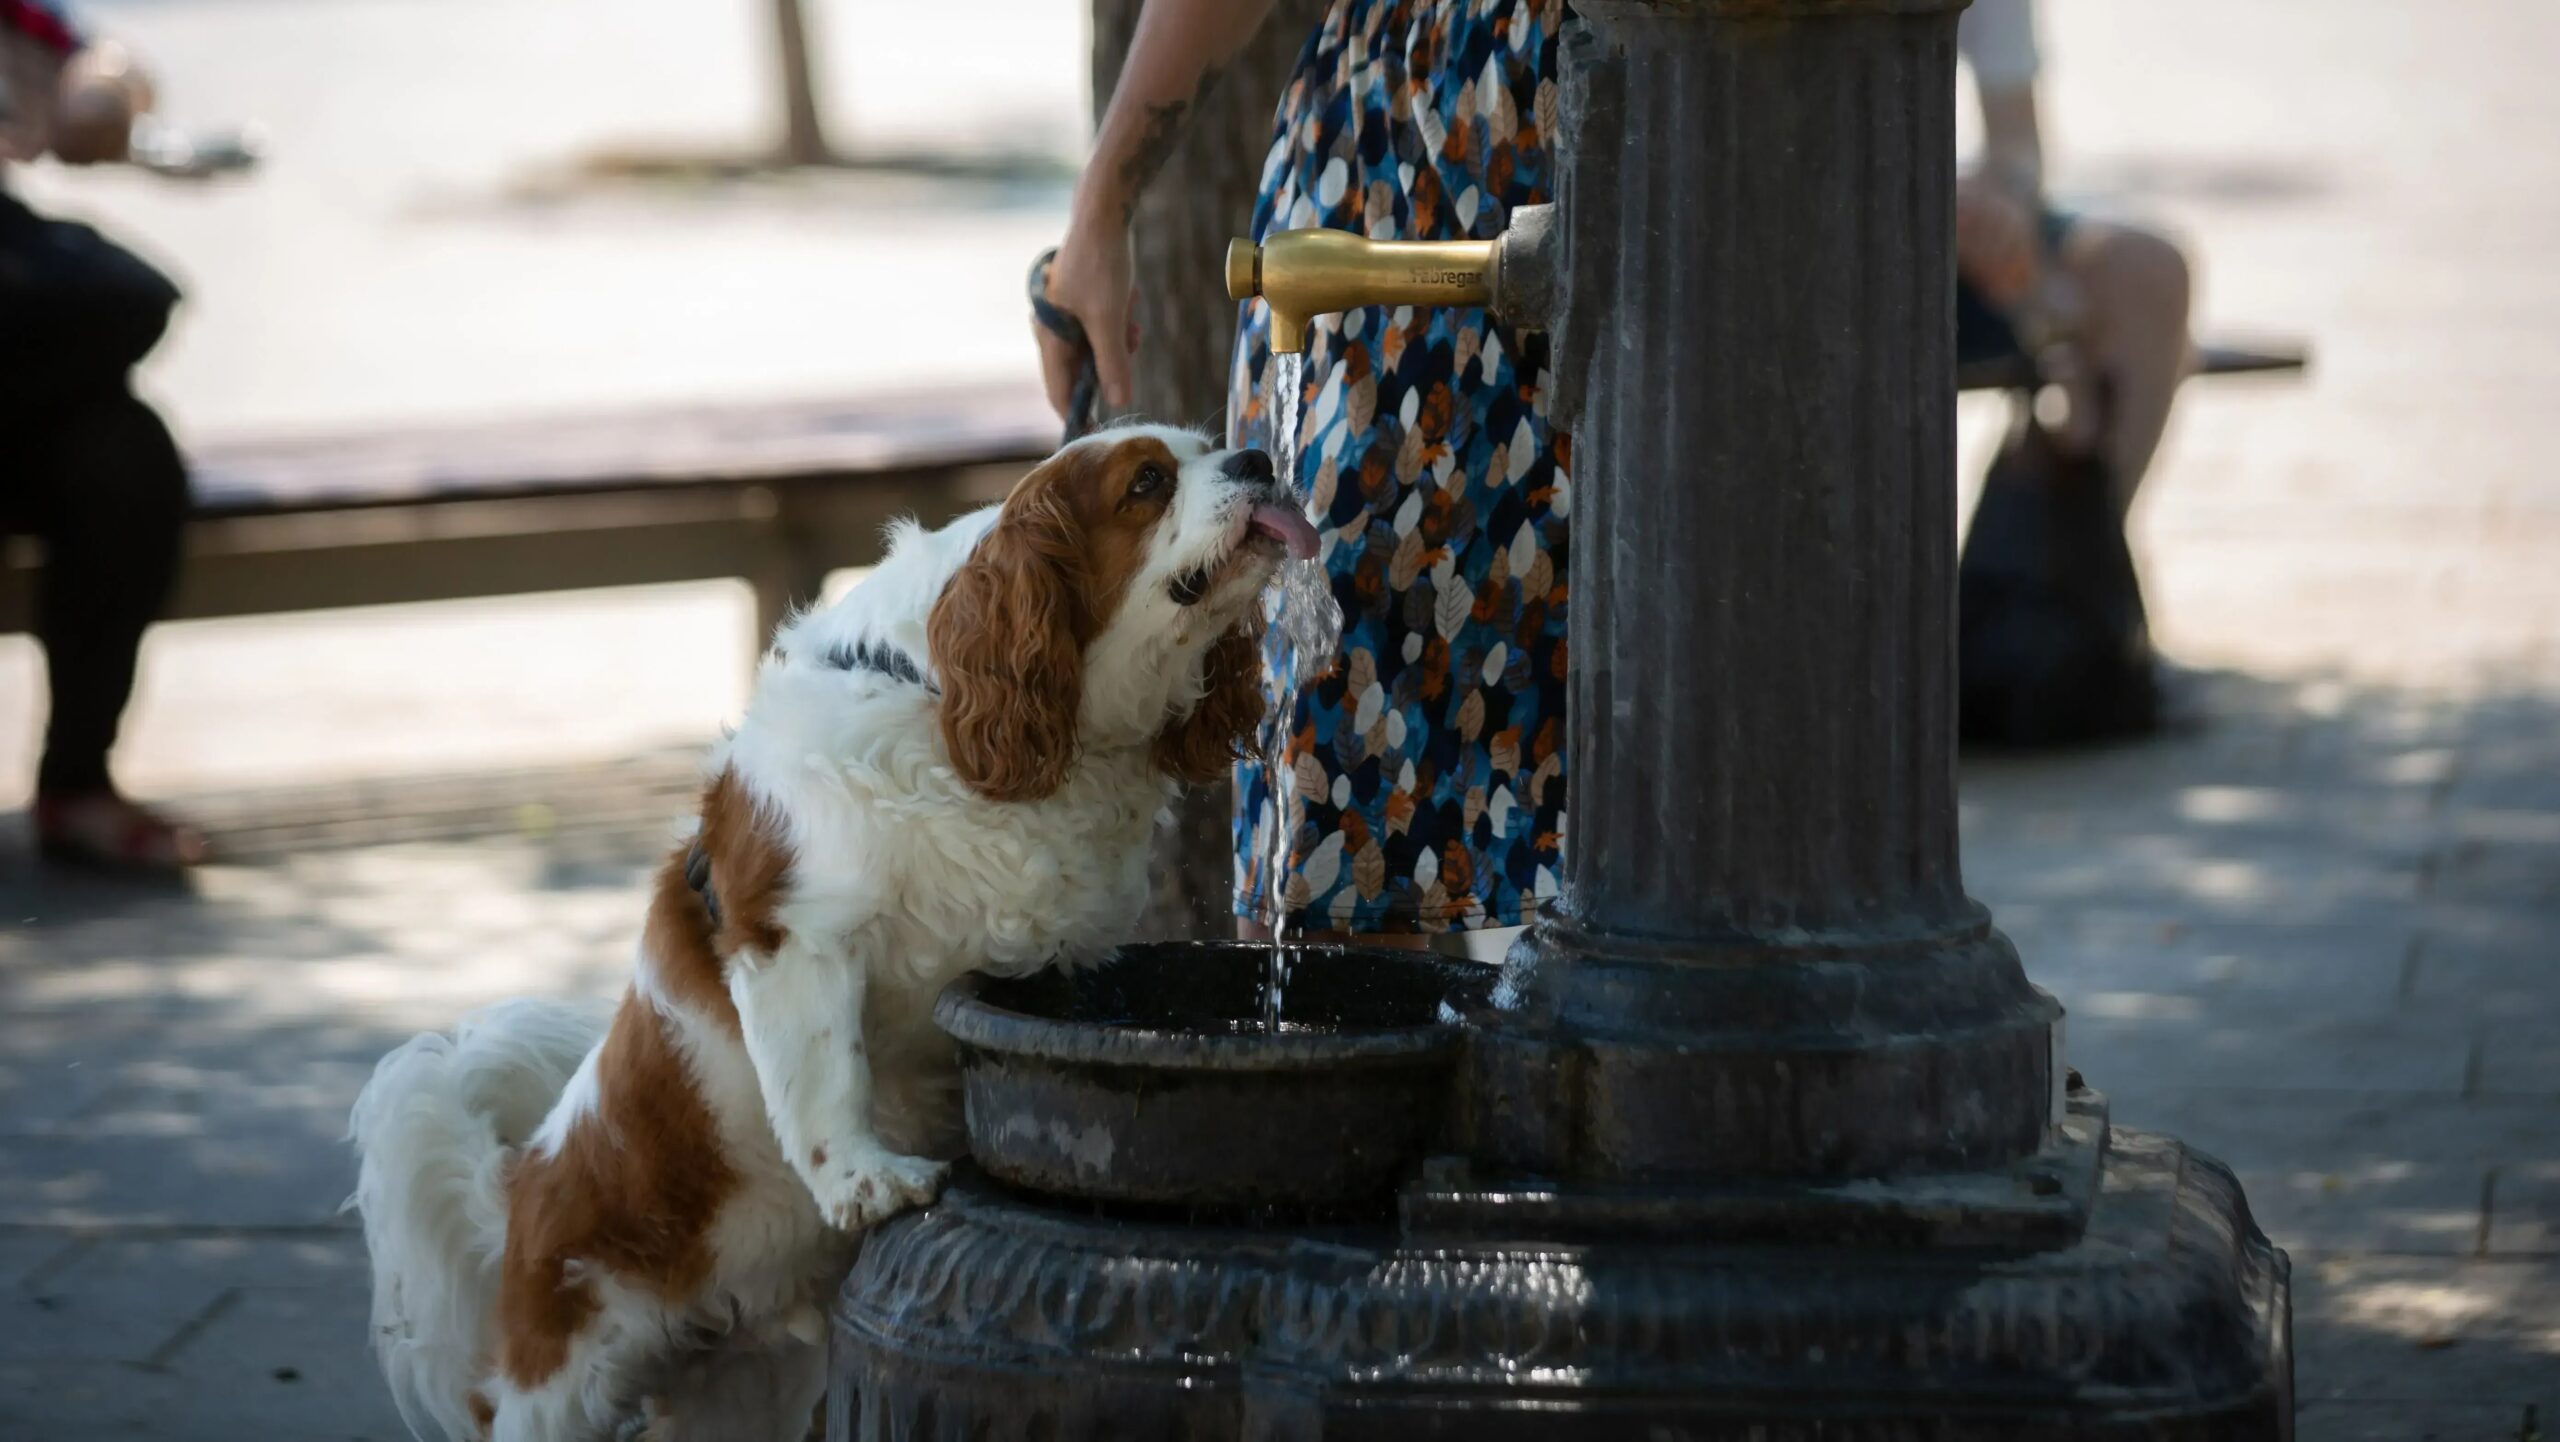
[883, 659]
[1071, 330]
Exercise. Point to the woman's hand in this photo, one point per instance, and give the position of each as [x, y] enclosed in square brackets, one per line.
[1089, 280]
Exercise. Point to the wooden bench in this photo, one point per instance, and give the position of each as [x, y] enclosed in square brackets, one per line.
[777, 495]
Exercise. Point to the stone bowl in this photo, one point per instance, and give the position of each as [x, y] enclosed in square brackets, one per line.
[1155, 1078]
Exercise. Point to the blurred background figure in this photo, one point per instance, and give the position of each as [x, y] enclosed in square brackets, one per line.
[2116, 295]
[85, 465]
[2054, 646]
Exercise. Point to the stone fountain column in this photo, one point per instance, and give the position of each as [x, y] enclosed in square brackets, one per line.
[1765, 1134]
[1764, 931]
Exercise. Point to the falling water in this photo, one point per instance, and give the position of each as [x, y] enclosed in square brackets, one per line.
[1307, 615]
[1308, 620]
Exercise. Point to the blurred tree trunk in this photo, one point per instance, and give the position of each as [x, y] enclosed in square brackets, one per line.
[804, 131]
[1201, 199]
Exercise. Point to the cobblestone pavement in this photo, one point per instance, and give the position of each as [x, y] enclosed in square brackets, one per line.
[2316, 937]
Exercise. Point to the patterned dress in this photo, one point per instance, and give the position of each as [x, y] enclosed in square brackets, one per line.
[1420, 784]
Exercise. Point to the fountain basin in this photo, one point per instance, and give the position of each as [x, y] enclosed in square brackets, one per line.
[1154, 1079]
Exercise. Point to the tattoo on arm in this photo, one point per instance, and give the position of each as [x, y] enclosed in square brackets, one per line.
[1156, 142]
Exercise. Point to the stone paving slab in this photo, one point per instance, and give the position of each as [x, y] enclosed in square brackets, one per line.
[2525, 1219]
[2217, 965]
[294, 1355]
[25, 1253]
[2333, 1171]
[147, 1300]
[2430, 1421]
[2408, 1329]
[214, 1336]
[2513, 984]
[2229, 1002]
[271, 1175]
[2309, 1052]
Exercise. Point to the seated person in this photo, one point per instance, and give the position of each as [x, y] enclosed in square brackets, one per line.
[84, 465]
[2117, 294]
[2053, 638]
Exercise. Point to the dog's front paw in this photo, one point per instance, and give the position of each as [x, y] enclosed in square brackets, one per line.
[874, 1185]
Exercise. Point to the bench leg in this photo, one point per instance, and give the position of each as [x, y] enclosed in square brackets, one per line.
[789, 578]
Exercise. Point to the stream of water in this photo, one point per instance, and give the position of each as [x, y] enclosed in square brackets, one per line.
[1308, 620]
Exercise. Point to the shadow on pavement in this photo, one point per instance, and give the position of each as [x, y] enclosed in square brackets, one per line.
[2316, 938]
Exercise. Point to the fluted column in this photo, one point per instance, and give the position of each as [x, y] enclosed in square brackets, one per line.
[1764, 915]
[1764, 537]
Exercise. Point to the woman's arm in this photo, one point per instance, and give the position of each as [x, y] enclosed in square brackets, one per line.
[1174, 58]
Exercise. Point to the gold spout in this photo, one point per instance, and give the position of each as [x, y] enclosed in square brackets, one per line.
[1302, 274]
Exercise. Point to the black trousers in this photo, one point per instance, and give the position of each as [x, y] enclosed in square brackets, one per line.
[97, 478]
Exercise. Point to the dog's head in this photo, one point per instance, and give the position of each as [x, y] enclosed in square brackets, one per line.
[1113, 602]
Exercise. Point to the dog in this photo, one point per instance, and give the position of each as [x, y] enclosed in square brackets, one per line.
[576, 1220]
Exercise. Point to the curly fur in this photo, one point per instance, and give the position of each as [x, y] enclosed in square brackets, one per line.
[1008, 636]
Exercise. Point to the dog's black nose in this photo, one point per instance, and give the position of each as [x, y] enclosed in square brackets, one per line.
[1253, 466]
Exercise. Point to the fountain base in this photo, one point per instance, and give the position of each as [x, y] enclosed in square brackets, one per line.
[2164, 1315]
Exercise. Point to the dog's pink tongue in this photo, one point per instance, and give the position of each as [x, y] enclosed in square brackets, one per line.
[1287, 526]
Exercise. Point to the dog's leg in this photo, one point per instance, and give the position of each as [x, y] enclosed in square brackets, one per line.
[801, 1013]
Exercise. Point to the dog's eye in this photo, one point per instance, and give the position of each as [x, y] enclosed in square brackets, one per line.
[1150, 479]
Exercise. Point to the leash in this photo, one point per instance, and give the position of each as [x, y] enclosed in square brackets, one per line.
[1067, 328]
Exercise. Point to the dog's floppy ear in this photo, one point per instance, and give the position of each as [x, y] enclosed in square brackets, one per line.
[1199, 746]
[1005, 638]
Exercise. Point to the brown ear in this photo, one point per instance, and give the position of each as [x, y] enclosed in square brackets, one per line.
[1004, 636]
[1201, 746]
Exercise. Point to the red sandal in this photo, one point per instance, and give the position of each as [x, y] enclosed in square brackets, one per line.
[101, 831]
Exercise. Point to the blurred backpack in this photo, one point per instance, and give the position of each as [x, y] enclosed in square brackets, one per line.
[2052, 643]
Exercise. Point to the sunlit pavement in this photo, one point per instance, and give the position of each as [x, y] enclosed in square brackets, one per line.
[2317, 937]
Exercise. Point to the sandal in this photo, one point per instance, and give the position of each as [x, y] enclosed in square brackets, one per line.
[101, 831]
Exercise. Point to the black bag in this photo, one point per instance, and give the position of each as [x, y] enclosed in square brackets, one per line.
[2052, 645]
[76, 309]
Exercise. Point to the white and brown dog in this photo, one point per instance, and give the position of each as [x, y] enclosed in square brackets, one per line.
[955, 768]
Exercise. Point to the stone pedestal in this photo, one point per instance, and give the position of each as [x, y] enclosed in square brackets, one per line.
[2161, 1316]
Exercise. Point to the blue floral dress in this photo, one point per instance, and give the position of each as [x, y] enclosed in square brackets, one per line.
[1420, 783]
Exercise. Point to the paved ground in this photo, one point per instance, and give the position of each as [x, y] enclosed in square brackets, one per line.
[2317, 938]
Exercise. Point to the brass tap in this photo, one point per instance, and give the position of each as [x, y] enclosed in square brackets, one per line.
[1302, 274]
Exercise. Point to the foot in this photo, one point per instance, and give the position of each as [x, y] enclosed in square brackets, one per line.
[863, 1190]
[102, 831]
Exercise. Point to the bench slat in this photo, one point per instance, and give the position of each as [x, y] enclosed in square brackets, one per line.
[2017, 372]
[699, 446]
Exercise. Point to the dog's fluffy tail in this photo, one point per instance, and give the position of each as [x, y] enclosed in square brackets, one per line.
[434, 1130]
